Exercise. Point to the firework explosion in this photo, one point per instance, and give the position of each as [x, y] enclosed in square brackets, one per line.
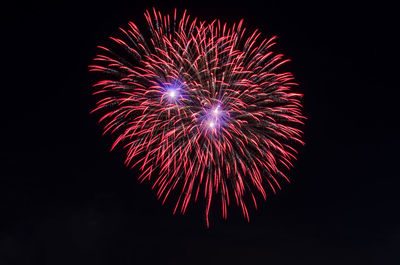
[200, 108]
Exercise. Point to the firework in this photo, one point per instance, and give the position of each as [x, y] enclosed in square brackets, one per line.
[200, 108]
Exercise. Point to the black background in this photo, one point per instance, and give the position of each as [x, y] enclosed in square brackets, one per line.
[65, 199]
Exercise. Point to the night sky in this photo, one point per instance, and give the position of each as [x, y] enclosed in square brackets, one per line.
[65, 199]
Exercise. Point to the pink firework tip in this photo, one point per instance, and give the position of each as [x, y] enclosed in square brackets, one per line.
[201, 108]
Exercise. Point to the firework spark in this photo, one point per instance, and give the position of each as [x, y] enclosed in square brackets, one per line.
[200, 108]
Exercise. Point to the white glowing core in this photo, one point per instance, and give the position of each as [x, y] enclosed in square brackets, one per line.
[172, 93]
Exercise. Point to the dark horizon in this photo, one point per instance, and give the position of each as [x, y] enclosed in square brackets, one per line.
[66, 199]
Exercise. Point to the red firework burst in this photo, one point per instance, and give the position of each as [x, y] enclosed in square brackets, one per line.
[200, 107]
